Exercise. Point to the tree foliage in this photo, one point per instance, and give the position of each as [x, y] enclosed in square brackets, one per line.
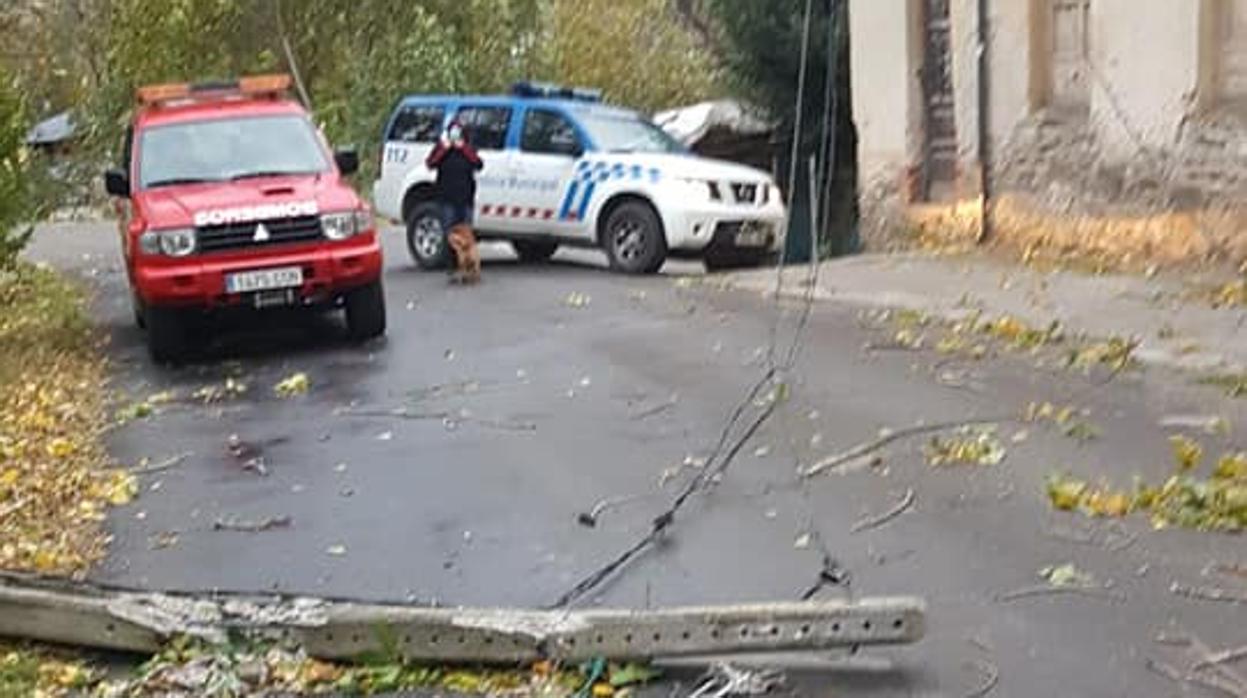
[355, 56]
[15, 193]
[759, 46]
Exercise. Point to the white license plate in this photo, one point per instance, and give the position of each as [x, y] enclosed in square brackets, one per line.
[264, 280]
[755, 235]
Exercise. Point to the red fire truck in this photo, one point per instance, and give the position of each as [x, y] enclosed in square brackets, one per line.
[230, 198]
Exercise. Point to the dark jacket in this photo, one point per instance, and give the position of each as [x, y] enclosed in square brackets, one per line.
[456, 167]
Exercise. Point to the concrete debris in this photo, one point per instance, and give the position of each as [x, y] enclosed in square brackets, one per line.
[727, 680]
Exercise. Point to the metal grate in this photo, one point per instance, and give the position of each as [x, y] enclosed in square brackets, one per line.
[281, 231]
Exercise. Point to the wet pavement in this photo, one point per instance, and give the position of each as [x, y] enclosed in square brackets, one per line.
[550, 388]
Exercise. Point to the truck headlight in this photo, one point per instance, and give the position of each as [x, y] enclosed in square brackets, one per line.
[177, 242]
[702, 189]
[344, 224]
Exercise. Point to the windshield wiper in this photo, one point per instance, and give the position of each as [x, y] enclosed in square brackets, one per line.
[174, 181]
[269, 173]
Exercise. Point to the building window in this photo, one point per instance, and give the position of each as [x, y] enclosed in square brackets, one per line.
[1061, 69]
[1070, 55]
[1231, 25]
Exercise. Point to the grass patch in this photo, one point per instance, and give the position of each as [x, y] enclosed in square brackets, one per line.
[1213, 502]
[54, 486]
[270, 668]
[1234, 384]
[29, 671]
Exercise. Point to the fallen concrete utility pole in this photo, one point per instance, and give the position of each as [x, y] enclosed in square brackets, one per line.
[58, 611]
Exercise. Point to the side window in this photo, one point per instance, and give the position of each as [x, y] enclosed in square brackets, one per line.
[417, 124]
[549, 133]
[486, 126]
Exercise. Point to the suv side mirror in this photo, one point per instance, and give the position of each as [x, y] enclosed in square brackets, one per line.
[347, 161]
[117, 182]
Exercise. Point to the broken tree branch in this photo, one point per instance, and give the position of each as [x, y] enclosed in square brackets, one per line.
[1231, 569]
[1231, 681]
[1208, 593]
[1053, 590]
[901, 507]
[655, 410]
[860, 450]
[163, 465]
[251, 526]
[1221, 657]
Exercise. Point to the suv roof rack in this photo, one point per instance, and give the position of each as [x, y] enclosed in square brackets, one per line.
[251, 87]
[549, 90]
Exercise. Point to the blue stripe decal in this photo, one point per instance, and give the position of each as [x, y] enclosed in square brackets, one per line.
[566, 208]
[584, 203]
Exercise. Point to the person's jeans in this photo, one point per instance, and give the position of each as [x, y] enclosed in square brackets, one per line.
[455, 214]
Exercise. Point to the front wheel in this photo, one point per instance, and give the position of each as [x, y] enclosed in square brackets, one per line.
[166, 334]
[365, 311]
[634, 239]
[532, 252]
[426, 240]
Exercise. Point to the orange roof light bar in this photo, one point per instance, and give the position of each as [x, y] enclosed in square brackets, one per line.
[255, 86]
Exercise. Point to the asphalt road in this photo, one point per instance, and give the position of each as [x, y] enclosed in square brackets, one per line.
[535, 408]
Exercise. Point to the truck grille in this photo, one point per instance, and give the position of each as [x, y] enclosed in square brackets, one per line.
[280, 231]
[745, 193]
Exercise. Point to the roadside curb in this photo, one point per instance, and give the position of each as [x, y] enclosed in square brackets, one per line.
[796, 287]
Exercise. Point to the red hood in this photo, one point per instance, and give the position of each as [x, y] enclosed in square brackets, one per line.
[250, 199]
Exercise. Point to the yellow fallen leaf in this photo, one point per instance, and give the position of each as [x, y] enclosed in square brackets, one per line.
[60, 448]
[296, 384]
[1186, 453]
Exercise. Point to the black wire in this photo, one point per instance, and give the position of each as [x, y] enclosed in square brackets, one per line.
[708, 474]
[664, 520]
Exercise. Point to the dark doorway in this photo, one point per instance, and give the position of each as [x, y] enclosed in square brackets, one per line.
[939, 164]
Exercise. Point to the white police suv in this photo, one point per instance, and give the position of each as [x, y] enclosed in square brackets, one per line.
[561, 168]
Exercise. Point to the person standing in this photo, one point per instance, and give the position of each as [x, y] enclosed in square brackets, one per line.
[457, 163]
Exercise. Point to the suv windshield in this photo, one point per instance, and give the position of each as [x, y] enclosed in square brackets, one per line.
[627, 133]
[225, 149]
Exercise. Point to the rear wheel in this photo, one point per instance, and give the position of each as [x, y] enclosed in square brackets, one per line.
[634, 239]
[365, 311]
[426, 240]
[166, 334]
[532, 251]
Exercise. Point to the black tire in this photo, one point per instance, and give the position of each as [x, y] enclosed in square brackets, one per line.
[365, 311]
[426, 241]
[533, 251]
[140, 315]
[727, 260]
[166, 334]
[634, 239]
